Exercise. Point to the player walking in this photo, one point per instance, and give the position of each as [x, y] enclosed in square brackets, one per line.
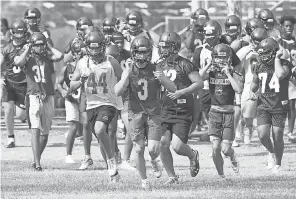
[271, 80]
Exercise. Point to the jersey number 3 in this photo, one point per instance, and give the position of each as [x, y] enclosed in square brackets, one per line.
[273, 84]
[39, 77]
[143, 94]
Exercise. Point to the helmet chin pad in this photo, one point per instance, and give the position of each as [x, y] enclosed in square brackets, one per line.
[142, 57]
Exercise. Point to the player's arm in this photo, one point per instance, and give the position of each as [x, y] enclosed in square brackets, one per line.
[280, 70]
[60, 82]
[121, 86]
[57, 55]
[77, 79]
[116, 67]
[234, 80]
[21, 60]
[197, 83]
[164, 80]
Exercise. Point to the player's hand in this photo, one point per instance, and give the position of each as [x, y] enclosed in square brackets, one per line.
[279, 53]
[64, 93]
[175, 95]
[158, 74]
[128, 67]
[27, 46]
[83, 79]
[253, 96]
[226, 70]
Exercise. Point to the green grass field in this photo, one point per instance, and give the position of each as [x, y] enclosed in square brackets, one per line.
[59, 180]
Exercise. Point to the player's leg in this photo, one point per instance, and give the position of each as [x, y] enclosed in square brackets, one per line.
[215, 133]
[35, 119]
[8, 102]
[237, 124]
[136, 129]
[153, 127]
[180, 132]
[46, 121]
[291, 120]
[278, 126]
[87, 138]
[165, 152]
[227, 139]
[263, 128]
[103, 117]
[196, 123]
[113, 141]
[72, 117]
[248, 114]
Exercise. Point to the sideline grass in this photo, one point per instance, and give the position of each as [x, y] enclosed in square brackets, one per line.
[59, 180]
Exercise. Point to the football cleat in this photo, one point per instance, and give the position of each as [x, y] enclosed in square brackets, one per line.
[157, 170]
[10, 143]
[87, 162]
[173, 180]
[69, 160]
[194, 164]
[146, 185]
[271, 161]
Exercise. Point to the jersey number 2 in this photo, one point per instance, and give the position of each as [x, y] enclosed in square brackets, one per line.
[273, 84]
[39, 77]
[171, 74]
[143, 94]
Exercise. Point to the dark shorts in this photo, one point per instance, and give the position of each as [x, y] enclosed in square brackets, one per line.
[103, 114]
[141, 124]
[177, 123]
[205, 99]
[221, 125]
[15, 92]
[275, 119]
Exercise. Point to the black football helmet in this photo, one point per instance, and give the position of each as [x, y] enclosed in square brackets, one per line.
[39, 43]
[200, 17]
[96, 46]
[18, 30]
[221, 57]
[252, 24]
[134, 22]
[109, 25]
[81, 25]
[258, 35]
[267, 50]
[212, 33]
[267, 17]
[169, 44]
[233, 26]
[32, 16]
[141, 51]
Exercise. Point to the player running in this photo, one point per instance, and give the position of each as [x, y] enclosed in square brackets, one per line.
[143, 81]
[271, 80]
[13, 81]
[98, 76]
[38, 65]
[177, 106]
[224, 83]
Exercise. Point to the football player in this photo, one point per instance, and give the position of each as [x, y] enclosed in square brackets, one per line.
[135, 28]
[271, 80]
[13, 80]
[109, 28]
[267, 17]
[249, 57]
[123, 55]
[38, 65]
[96, 72]
[251, 25]
[82, 25]
[143, 81]
[177, 106]
[288, 41]
[224, 82]
[233, 29]
[74, 116]
[33, 18]
[212, 36]
[195, 35]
